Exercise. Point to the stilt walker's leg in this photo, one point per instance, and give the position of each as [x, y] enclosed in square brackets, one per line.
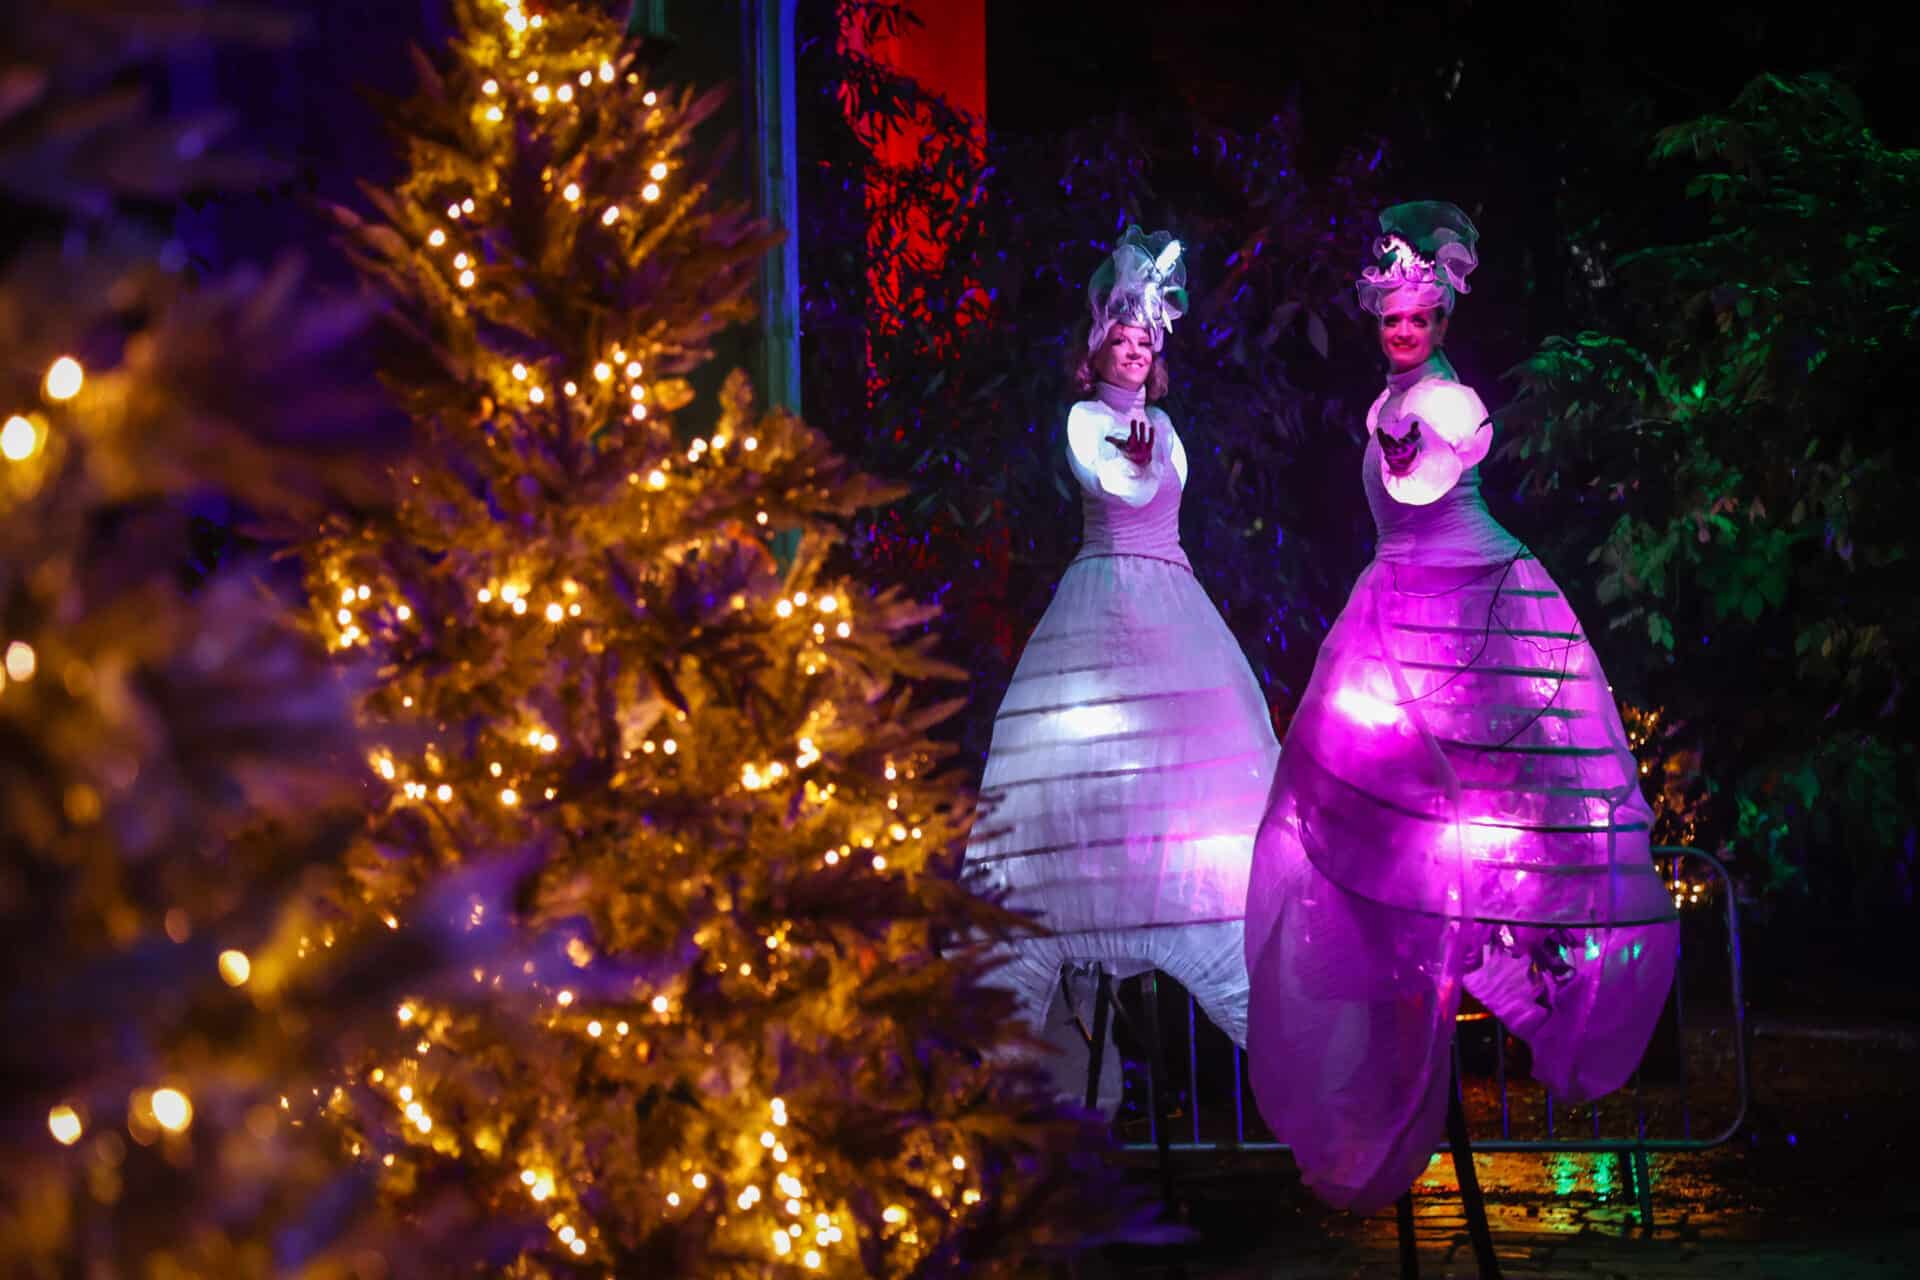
[1096, 1055]
[1409, 1251]
[1157, 1087]
[1476, 1204]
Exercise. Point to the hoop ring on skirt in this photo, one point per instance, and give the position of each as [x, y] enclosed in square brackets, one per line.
[1128, 773]
[1456, 807]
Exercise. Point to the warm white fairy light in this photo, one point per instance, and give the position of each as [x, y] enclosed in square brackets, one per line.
[63, 1122]
[612, 215]
[436, 237]
[650, 192]
[18, 439]
[64, 379]
[172, 1109]
[234, 967]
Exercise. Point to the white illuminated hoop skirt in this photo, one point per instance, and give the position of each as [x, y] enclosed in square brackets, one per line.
[1127, 777]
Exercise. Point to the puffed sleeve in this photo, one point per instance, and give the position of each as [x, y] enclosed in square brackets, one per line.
[1454, 433]
[1176, 451]
[1098, 466]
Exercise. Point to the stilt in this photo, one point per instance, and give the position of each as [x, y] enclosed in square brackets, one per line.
[1157, 1091]
[1097, 1050]
[1475, 1203]
[1409, 1249]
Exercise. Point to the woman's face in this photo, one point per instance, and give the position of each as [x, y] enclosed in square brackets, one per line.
[1409, 337]
[1126, 357]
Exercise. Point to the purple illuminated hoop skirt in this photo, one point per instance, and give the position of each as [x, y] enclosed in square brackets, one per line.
[1456, 807]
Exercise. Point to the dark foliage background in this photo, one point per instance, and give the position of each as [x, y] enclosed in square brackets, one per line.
[1688, 317]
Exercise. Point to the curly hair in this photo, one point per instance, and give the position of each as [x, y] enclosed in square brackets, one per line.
[1081, 374]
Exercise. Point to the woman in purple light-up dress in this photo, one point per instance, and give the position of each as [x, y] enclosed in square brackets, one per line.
[1132, 755]
[1456, 806]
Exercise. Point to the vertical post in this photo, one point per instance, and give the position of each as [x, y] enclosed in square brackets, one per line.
[647, 18]
[769, 30]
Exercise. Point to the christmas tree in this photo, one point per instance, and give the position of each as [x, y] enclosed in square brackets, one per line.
[177, 755]
[730, 1018]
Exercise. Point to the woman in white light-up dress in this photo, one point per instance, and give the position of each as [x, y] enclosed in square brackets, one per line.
[1132, 755]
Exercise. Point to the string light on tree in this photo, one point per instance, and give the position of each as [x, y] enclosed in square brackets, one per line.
[601, 640]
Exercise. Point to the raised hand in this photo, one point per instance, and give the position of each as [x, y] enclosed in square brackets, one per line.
[1137, 448]
[1400, 451]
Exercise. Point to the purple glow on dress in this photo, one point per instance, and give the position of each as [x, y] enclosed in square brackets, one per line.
[1455, 809]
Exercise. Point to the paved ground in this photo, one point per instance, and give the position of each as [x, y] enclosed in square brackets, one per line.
[1822, 1182]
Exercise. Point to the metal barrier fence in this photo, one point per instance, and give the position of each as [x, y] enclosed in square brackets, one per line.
[1644, 1110]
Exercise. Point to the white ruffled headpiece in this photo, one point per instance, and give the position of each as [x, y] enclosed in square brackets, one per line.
[1144, 283]
[1424, 255]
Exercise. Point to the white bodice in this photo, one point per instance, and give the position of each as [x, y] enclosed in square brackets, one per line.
[1452, 527]
[1127, 509]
